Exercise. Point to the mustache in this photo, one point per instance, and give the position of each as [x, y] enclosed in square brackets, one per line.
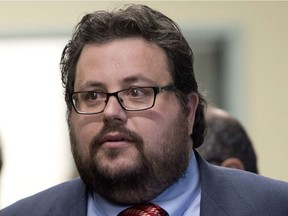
[109, 128]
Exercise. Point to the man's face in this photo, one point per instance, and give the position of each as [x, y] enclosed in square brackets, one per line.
[121, 154]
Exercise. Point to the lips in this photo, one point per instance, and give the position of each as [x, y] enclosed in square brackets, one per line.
[115, 140]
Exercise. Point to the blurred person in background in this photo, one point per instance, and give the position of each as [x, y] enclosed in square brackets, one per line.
[135, 115]
[227, 143]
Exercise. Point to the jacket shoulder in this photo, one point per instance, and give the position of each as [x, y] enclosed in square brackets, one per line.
[238, 192]
[63, 199]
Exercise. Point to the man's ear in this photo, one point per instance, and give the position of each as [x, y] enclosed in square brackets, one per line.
[233, 163]
[192, 105]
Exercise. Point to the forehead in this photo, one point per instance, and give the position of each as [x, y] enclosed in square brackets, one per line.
[122, 61]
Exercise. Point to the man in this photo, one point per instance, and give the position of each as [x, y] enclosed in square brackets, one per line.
[227, 143]
[133, 103]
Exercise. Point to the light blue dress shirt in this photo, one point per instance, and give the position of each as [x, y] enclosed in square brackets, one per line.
[180, 199]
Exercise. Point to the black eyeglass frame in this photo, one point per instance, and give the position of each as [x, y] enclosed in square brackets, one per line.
[156, 90]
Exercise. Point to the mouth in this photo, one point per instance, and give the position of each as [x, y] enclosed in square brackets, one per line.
[115, 141]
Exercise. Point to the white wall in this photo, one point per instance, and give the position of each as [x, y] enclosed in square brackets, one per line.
[32, 117]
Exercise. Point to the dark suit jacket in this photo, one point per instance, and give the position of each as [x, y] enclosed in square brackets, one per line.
[225, 192]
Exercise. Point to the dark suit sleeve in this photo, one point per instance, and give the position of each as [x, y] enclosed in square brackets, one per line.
[231, 192]
[69, 198]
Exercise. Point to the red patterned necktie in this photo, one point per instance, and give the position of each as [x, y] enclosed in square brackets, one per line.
[149, 209]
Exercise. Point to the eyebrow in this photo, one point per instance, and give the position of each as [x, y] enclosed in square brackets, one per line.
[91, 84]
[126, 81]
[135, 78]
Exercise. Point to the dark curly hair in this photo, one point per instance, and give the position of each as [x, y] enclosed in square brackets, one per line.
[137, 21]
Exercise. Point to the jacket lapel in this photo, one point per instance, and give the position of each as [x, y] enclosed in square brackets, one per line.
[209, 204]
[209, 207]
[73, 202]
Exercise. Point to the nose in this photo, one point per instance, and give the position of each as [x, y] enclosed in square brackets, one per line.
[114, 111]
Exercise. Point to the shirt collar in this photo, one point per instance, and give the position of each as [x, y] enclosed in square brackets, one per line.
[179, 196]
[175, 199]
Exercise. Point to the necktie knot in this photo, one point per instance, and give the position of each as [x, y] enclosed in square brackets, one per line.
[149, 209]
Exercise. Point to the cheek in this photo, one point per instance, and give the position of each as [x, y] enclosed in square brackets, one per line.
[151, 128]
[84, 130]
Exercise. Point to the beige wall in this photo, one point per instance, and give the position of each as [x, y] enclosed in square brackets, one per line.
[264, 26]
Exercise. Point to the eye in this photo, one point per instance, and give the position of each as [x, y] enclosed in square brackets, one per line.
[91, 96]
[137, 92]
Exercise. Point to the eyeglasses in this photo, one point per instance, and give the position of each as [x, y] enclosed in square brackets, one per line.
[131, 99]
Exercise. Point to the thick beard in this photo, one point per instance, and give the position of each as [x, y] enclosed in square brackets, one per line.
[152, 173]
